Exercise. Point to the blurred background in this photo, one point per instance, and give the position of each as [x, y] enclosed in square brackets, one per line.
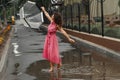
[100, 17]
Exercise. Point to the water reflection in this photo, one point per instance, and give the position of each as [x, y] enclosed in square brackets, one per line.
[55, 75]
[100, 68]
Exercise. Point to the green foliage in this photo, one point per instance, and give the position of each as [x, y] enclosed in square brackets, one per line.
[119, 3]
[95, 30]
[111, 33]
[45, 3]
[84, 29]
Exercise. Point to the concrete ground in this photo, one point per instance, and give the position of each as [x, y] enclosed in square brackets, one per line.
[25, 60]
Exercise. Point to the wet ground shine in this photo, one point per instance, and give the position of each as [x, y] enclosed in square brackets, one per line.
[75, 69]
[25, 60]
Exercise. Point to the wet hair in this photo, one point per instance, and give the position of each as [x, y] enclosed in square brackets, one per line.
[57, 18]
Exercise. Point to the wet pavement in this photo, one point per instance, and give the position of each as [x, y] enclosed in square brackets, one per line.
[25, 60]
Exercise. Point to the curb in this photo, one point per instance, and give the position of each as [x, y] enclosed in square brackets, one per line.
[96, 48]
[3, 61]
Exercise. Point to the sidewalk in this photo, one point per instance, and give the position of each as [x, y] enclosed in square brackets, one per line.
[4, 55]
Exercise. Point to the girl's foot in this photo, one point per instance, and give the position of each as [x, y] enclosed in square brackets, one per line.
[51, 69]
[59, 65]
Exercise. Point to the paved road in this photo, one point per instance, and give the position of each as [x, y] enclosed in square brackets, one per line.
[25, 50]
[25, 60]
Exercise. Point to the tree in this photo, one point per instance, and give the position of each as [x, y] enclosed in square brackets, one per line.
[44, 3]
[119, 3]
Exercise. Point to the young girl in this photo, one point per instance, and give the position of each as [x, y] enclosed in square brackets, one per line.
[51, 52]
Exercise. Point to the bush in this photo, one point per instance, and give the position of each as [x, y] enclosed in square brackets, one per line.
[84, 29]
[111, 33]
[95, 31]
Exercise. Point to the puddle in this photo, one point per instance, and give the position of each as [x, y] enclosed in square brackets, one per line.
[77, 66]
[34, 44]
[33, 51]
[16, 66]
[38, 49]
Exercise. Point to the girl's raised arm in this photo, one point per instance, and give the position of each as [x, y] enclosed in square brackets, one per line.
[46, 14]
[65, 34]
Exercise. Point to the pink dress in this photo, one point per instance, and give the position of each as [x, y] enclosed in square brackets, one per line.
[51, 51]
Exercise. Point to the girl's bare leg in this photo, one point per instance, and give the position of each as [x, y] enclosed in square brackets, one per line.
[51, 67]
[59, 65]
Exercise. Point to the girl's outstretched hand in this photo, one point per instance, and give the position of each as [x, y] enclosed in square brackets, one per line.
[71, 40]
[43, 8]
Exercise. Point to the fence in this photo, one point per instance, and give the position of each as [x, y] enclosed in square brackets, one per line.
[100, 17]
